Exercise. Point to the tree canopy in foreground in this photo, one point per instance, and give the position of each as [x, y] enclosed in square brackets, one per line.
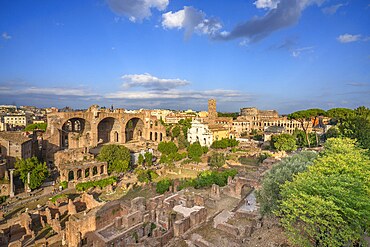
[329, 204]
[269, 194]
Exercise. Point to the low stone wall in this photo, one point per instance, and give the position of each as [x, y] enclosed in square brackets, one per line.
[230, 229]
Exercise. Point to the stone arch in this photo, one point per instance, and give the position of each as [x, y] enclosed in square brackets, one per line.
[71, 176]
[134, 129]
[87, 172]
[95, 171]
[74, 133]
[151, 136]
[107, 128]
[79, 174]
[155, 136]
[101, 169]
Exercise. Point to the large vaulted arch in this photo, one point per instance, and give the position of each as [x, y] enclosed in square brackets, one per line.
[134, 129]
[75, 133]
[108, 130]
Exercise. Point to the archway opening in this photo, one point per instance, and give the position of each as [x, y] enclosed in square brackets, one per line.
[71, 176]
[108, 130]
[95, 170]
[134, 129]
[79, 174]
[72, 133]
[87, 172]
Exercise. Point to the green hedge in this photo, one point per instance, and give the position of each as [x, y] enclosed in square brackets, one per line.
[163, 186]
[99, 183]
[224, 143]
[207, 178]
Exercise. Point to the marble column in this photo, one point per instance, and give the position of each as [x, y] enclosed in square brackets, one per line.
[11, 194]
[28, 182]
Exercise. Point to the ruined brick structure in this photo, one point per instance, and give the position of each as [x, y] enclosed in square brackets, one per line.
[86, 129]
[151, 222]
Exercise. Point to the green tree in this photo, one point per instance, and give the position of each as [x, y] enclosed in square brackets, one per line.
[163, 186]
[305, 118]
[140, 159]
[118, 157]
[38, 171]
[195, 151]
[357, 126]
[333, 132]
[185, 125]
[329, 204]
[224, 143]
[167, 147]
[176, 131]
[148, 159]
[338, 115]
[283, 142]
[145, 175]
[269, 194]
[183, 142]
[300, 137]
[234, 115]
[217, 160]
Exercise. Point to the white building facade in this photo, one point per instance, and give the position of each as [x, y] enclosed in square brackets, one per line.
[199, 132]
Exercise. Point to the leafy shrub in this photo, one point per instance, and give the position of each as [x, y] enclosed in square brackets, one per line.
[217, 160]
[283, 142]
[262, 157]
[3, 199]
[224, 143]
[207, 178]
[145, 175]
[195, 151]
[64, 184]
[167, 147]
[98, 183]
[163, 186]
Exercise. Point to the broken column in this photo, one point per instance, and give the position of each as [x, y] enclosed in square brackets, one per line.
[11, 194]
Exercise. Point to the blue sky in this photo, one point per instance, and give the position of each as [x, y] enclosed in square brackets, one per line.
[273, 54]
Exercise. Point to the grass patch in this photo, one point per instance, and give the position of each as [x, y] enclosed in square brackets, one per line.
[98, 183]
[56, 197]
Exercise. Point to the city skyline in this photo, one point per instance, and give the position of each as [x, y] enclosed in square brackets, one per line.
[285, 55]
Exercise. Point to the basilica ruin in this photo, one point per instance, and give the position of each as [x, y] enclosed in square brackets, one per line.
[96, 126]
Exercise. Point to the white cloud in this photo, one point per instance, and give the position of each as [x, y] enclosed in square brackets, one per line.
[221, 94]
[358, 84]
[6, 36]
[348, 38]
[281, 14]
[297, 52]
[173, 19]
[332, 9]
[191, 20]
[137, 10]
[266, 4]
[148, 81]
[48, 91]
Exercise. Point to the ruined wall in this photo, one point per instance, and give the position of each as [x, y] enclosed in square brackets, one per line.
[100, 126]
